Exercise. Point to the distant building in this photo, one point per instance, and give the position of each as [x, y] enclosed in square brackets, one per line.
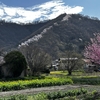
[55, 64]
[90, 66]
[59, 64]
[66, 59]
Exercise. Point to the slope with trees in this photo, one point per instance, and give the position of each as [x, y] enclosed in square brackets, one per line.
[11, 34]
[73, 33]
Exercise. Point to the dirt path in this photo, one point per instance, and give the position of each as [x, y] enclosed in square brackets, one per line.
[42, 89]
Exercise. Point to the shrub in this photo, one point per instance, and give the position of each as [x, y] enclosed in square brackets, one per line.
[16, 62]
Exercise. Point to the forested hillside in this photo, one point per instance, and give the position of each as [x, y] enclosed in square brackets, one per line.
[66, 32]
[11, 34]
[71, 32]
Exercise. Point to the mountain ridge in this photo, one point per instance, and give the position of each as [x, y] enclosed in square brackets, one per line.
[66, 32]
[71, 34]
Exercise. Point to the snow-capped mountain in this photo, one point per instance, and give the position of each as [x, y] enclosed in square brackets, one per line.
[45, 11]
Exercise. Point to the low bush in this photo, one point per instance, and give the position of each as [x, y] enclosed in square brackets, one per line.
[23, 84]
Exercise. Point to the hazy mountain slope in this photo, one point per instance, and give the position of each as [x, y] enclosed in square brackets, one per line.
[12, 34]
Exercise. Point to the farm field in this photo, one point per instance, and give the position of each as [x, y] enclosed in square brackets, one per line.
[57, 81]
[52, 92]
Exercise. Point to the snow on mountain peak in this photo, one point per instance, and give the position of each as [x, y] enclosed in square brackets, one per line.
[45, 11]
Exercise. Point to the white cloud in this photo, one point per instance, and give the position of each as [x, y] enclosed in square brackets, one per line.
[48, 10]
[1, 12]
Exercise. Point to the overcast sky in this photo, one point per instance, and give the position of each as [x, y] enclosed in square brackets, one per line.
[35, 9]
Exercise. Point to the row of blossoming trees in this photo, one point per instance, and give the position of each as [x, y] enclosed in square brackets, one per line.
[92, 50]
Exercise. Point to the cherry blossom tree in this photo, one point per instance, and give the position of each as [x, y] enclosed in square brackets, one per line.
[92, 50]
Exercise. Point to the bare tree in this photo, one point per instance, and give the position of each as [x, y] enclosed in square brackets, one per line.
[70, 61]
[36, 58]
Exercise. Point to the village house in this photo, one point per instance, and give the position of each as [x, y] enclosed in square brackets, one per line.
[90, 66]
[59, 64]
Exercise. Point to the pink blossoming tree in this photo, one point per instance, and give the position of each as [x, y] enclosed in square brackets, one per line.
[92, 50]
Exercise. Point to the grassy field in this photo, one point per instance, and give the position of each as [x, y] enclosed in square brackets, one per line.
[75, 73]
